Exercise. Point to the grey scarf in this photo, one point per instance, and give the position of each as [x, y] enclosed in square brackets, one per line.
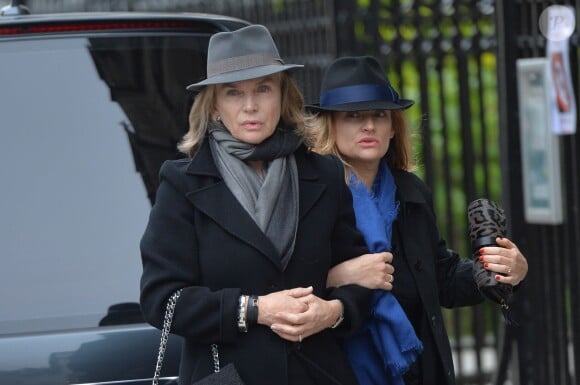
[272, 201]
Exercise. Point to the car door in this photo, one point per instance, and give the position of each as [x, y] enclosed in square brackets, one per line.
[90, 106]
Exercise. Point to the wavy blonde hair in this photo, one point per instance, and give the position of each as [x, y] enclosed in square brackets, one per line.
[322, 139]
[204, 104]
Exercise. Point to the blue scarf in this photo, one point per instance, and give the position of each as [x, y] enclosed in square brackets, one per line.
[385, 346]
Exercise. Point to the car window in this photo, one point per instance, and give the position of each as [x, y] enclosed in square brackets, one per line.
[85, 124]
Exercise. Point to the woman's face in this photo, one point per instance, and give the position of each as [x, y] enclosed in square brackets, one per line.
[363, 137]
[250, 109]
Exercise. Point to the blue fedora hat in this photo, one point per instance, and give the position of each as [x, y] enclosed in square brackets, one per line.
[357, 83]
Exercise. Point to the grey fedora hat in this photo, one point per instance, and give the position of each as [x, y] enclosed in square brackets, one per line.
[247, 53]
[356, 83]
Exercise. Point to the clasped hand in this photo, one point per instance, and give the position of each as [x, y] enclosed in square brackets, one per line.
[297, 313]
[373, 271]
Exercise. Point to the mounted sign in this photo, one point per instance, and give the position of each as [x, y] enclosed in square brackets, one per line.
[540, 148]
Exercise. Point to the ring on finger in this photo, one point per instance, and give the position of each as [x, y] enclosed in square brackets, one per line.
[509, 270]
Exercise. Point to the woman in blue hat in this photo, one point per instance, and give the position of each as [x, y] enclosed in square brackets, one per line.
[360, 118]
[247, 227]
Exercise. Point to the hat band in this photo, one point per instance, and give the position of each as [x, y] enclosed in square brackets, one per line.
[358, 93]
[241, 63]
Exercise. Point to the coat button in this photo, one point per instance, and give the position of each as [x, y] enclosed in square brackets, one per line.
[419, 265]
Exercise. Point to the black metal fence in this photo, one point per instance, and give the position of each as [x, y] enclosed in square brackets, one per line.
[548, 343]
[456, 58]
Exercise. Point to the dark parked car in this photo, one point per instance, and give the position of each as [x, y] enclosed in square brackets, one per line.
[90, 106]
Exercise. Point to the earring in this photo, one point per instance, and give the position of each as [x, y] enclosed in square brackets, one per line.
[218, 118]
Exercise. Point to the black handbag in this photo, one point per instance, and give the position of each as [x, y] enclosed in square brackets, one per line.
[228, 375]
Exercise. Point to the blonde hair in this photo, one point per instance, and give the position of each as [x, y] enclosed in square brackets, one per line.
[204, 104]
[322, 139]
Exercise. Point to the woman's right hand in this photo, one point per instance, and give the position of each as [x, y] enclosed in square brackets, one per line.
[373, 271]
[321, 314]
[285, 301]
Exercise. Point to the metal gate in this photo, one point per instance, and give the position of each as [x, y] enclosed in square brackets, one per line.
[548, 342]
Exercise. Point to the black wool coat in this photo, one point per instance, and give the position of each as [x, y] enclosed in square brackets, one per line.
[200, 238]
[432, 276]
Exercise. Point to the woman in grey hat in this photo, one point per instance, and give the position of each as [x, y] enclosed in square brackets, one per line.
[360, 118]
[248, 226]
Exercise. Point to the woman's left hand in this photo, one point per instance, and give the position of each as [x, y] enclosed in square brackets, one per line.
[321, 314]
[505, 259]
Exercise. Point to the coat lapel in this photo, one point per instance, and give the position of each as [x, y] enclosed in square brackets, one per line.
[210, 195]
[311, 188]
[412, 242]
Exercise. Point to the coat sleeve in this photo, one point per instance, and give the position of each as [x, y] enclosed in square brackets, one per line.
[457, 286]
[348, 243]
[168, 249]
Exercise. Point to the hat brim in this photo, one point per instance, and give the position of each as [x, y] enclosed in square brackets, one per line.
[246, 74]
[362, 106]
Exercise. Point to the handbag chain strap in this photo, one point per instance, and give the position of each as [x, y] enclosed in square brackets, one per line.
[216, 358]
[165, 336]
